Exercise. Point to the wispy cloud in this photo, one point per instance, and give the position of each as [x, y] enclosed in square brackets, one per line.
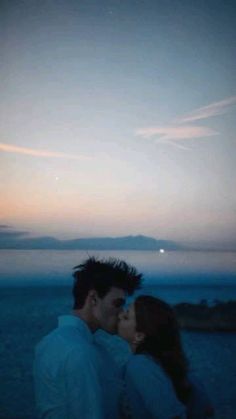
[9, 148]
[205, 112]
[182, 129]
[175, 132]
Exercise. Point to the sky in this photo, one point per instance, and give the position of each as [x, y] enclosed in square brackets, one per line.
[118, 118]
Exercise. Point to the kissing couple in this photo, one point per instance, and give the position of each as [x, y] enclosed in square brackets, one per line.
[77, 377]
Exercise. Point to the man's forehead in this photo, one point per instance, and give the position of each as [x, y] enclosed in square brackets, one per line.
[115, 293]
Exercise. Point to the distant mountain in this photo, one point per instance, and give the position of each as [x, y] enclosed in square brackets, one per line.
[121, 243]
[97, 243]
[39, 243]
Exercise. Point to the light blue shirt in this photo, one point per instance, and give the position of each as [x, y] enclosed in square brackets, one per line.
[110, 371]
[148, 391]
[67, 384]
[111, 383]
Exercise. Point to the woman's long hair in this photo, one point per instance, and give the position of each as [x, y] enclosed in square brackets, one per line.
[156, 319]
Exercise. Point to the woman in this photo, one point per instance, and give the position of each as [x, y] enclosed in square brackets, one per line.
[157, 384]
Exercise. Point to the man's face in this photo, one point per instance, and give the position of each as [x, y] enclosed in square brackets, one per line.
[127, 324]
[108, 309]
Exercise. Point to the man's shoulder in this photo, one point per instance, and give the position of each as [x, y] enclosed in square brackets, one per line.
[58, 350]
[64, 340]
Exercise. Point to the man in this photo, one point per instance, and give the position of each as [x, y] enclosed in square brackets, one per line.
[67, 368]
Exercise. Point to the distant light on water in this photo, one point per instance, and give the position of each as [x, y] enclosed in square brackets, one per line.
[162, 251]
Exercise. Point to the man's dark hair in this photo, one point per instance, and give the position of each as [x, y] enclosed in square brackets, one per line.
[102, 275]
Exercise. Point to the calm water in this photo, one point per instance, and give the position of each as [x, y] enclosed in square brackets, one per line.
[176, 276]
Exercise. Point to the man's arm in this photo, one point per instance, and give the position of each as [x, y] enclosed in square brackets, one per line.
[82, 387]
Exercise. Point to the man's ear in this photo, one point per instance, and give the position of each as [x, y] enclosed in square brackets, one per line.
[138, 338]
[93, 297]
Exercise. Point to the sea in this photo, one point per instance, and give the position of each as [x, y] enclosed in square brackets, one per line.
[177, 276]
[35, 287]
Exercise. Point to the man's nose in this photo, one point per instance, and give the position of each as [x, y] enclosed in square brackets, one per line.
[121, 313]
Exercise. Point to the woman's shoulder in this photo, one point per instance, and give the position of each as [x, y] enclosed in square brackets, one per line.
[144, 365]
[147, 383]
[139, 360]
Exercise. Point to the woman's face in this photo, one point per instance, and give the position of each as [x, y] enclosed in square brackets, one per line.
[127, 324]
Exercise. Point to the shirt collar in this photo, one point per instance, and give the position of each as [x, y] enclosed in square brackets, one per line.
[78, 323]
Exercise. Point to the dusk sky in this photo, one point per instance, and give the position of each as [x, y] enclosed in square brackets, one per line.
[118, 118]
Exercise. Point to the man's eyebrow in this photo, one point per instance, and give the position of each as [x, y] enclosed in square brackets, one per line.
[120, 301]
